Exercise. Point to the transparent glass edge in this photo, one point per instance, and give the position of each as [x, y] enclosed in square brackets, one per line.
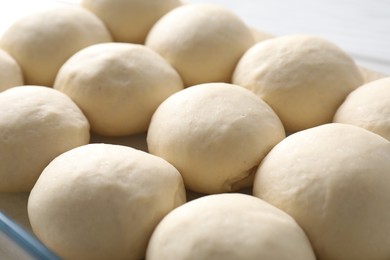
[24, 240]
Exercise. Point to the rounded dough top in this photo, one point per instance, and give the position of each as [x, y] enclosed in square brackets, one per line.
[102, 201]
[203, 42]
[37, 124]
[41, 42]
[334, 180]
[228, 226]
[369, 107]
[130, 20]
[118, 86]
[303, 78]
[10, 72]
[215, 134]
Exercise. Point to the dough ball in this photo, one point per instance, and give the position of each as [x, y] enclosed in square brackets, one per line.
[130, 20]
[369, 107]
[10, 72]
[203, 42]
[303, 78]
[118, 86]
[370, 75]
[260, 36]
[228, 227]
[41, 42]
[103, 201]
[36, 125]
[334, 180]
[215, 134]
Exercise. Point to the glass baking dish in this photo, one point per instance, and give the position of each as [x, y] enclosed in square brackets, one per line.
[18, 244]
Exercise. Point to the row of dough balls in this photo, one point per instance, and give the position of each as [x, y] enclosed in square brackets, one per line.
[321, 193]
[86, 172]
[237, 130]
[96, 209]
[212, 136]
[74, 28]
[40, 123]
[303, 78]
[332, 179]
[363, 186]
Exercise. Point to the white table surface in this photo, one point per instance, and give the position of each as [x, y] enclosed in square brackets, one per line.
[360, 27]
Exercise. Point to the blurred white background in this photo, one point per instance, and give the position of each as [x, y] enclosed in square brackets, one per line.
[360, 27]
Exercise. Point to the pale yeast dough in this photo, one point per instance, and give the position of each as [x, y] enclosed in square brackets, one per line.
[36, 125]
[203, 42]
[215, 134]
[41, 42]
[228, 227]
[118, 86]
[130, 20]
[10, 72]
[369, 107]
[334, 180]
[303, 78]
[103, 201]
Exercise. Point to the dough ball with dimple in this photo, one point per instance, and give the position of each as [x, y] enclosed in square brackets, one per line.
[334, 180]
[41, 42]
[215, 134]
[369, 107]
[202, 41]
[228, 227]
[102, 201]
[118, 86]
[10, 72]
[36, 125]
[303, 78]
[130, 20]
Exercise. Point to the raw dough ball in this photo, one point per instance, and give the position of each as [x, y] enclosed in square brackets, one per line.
[130, 20]
[369, 107]
[118, 86]
[215, 134]
[260, 36]
[103, 201]
[228, 227]
[370, 75]
[43, 41]
[334, 180]
[202, 41]
[36, 125]
[10, 72]
[303, 78]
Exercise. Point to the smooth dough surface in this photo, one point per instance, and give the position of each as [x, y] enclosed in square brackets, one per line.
[102, 201]
[118, 86]
[41, 42]
[130, 20]
[215, 134]
[203, 42]
[334, 180]
[303, 78]
[228, 227]
[10, 72]
[369, 107]
[36, 125]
